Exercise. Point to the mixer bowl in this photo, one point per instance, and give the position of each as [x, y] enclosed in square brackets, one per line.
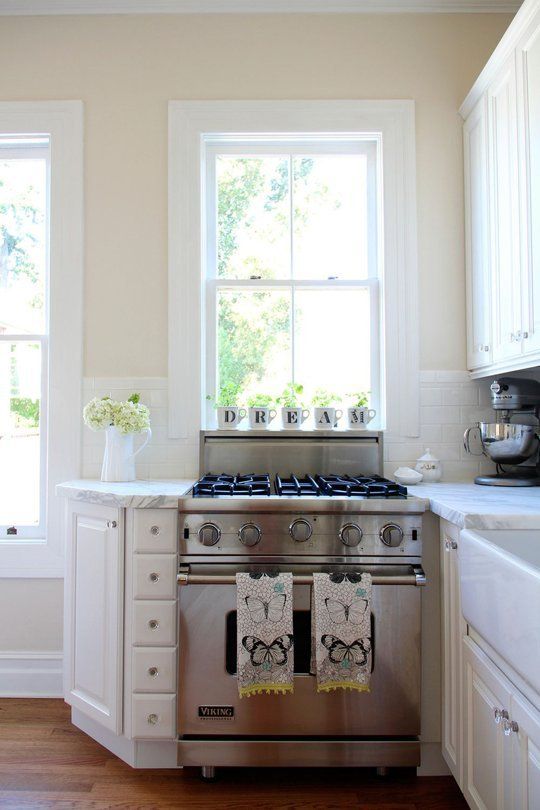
[508, 443]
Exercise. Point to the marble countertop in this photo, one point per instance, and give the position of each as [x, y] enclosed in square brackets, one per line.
[472, 506]
[134, 494]
[468, 505]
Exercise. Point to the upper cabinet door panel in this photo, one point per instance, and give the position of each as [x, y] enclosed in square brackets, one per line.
[528, 99]
[479, 351]
[504, 219]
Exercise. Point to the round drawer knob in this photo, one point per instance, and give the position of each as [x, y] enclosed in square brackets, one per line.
[153, 719]
[153, 577]
[153, 624]
[153, 672]
[350, 534]
[155, 530]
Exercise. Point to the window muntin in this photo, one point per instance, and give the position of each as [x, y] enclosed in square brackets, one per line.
[24, 248]
[292, 224]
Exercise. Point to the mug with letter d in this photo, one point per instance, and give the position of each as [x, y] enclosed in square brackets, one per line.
[230, 417]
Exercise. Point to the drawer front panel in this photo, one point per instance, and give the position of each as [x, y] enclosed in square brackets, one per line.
[154, 716]
[154, 669]
[154, 623]
[154, 576]
[155, 531]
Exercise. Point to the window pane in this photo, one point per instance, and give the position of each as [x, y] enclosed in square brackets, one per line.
[332, 345]
[20, 394]
[253, 217]
[23, 247]
[330, 217]
[254, 347]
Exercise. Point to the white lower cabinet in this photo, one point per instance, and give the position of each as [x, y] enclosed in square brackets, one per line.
[525, 745]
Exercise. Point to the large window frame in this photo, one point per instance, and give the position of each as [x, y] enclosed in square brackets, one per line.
[39, 552]
[192, 125]
[314, 145]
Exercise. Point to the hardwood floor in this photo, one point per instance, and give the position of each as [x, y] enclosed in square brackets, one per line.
[45, 762]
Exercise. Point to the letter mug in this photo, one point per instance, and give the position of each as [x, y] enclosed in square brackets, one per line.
[326, 418]
[229, 418]
[292, 418]
[359, 417]
[260, 418]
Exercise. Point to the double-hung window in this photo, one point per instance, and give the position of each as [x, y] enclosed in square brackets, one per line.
[291, 268]
[41, 251]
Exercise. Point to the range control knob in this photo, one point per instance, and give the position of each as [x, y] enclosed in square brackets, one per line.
[391, 535]
[249, 534]
[350, 534]
[300, 530]
[209, 534]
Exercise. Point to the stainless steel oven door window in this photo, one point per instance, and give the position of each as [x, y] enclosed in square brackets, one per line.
[207, 668]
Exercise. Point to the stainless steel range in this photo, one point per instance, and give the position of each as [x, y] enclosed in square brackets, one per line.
[302, 504]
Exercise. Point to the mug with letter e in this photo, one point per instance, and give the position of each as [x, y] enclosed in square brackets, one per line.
[360, 417]
[230, 417]
[292, 418]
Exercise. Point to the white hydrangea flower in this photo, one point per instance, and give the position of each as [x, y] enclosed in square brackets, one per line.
[128, 417]
[98, 414]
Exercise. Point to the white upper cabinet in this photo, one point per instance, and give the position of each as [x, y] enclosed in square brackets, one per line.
[502, 202]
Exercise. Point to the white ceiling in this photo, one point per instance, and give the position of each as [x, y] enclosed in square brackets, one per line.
[38, 7]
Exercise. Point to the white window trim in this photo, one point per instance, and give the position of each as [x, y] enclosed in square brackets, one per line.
[393, 123]
[63, 122]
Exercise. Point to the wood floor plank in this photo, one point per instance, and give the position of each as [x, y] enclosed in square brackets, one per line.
[46, 762]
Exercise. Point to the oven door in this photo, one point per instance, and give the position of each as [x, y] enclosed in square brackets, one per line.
[208, 700]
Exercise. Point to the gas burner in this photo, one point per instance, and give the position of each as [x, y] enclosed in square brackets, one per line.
[209, 486]
[296, 486]
[372, 486]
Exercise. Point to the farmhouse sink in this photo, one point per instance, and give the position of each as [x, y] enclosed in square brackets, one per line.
[500, 591]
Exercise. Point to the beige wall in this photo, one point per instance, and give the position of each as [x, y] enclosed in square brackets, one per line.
[125, 69]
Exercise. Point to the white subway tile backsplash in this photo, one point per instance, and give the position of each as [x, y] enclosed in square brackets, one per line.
[450, 402]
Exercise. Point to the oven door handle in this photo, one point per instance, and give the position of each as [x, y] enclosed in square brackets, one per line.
[417, 578]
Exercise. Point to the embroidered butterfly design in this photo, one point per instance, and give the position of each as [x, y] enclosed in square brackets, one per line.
[352, 577]
[261, 574]
[260, 611]
[340, 612]
[339, 652]
[262, 654]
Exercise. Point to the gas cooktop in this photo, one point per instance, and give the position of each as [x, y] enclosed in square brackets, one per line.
[317, 486]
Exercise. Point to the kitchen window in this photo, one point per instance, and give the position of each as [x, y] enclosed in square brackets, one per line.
[291, 267]
[40, 327]
[292, 255]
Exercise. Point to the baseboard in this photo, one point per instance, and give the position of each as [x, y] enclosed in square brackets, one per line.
[31, 674]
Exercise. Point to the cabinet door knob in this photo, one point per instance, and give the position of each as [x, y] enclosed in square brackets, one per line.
[499, 715]
[153, 719]
[510, 727]
[153, 577]
[112, 524]
[525, 335]
[450, 545]
[486, 348]
[153, 672]
[155, 530]
[153, 624]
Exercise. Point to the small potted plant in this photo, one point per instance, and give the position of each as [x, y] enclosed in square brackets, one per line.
[120, 421]
[325, 414]
[260, 411]
[358, 413]
[229, 415]
[293, 413]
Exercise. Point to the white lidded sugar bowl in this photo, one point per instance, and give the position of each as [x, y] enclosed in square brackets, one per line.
[430, 467]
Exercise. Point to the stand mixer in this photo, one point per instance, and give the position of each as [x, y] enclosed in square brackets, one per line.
[511, 444]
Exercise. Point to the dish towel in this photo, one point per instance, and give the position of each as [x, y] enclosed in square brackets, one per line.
[264, 610]
[341, 631]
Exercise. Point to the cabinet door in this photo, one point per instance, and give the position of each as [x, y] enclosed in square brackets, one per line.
[94, 612]
[453, 629]
[486, 758]
[524, 739]
[528, 101]
[504, 215]
[479, 294]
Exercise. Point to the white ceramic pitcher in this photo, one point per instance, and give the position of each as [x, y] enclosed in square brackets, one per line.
[119, 456]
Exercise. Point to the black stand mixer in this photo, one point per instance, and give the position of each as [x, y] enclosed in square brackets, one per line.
[514, 447]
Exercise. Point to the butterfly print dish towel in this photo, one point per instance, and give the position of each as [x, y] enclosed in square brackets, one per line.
[265, 634]
[341, 631]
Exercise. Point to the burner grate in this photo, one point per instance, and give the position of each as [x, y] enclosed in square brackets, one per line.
[296, 486]
[210, 486]
[372, 486]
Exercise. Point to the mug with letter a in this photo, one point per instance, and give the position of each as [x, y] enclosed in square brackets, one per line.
[359, 417]
[230, 417]
[326, 418]
[292, 418]
[260, 418]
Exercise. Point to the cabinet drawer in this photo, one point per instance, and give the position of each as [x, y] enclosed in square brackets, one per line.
[154, 576]
[154, 623]
[154, 669]
[154, 716]
[155, 531]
